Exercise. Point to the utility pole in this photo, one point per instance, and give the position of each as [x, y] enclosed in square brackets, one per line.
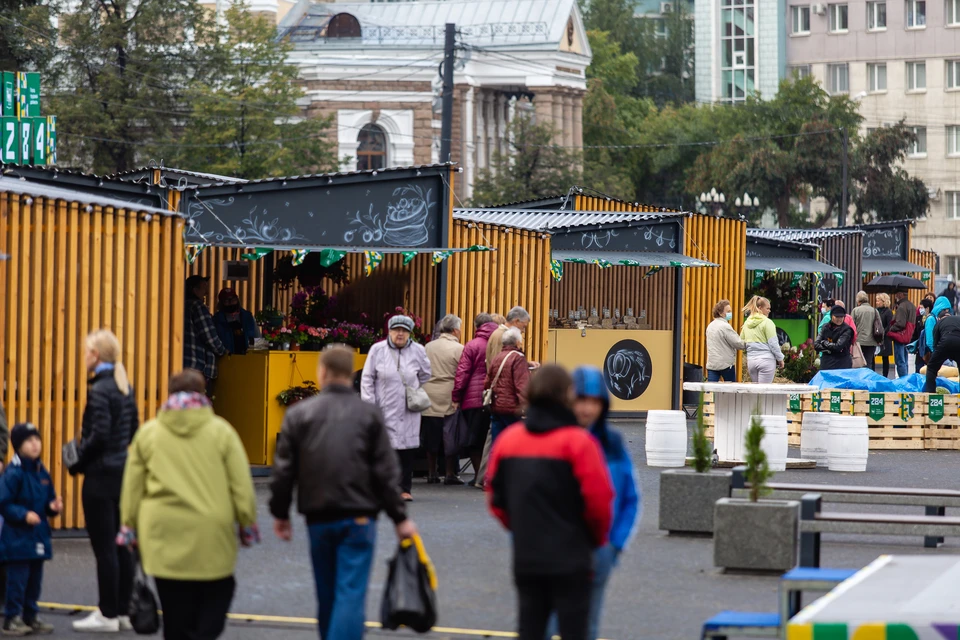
[842, 215]
[446, 122]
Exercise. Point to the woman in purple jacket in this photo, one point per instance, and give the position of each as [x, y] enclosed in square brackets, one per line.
[468, 389]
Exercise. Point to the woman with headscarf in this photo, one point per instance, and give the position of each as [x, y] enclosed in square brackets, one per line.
[110, 420]
[392, 366]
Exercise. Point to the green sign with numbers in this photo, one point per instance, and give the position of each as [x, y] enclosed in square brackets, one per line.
[795, 402]
[877, 410]
[39, 150]
[25, 139]
[935, 410]
[834, 402]
[10, 149]
[9, 87]
[51, 139]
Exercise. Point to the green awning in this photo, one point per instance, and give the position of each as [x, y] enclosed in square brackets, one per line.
[891, 265]
[790, 265]
[631, 258]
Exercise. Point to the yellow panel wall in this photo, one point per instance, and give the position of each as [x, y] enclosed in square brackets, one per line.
[75, 268]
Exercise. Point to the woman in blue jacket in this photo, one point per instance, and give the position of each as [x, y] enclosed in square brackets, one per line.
[591, 408]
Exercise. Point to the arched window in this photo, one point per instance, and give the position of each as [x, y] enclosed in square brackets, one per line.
[343, 25]
[371, 148]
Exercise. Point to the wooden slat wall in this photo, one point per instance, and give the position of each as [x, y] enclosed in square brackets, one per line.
[75, 268]
[618, 287]
[724, 242]
[518, 273]
[593, 203]
[926, 259]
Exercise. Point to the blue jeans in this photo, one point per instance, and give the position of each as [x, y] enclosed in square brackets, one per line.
[604, 560]
[499, 422]
[24, 580]
[900, 357]
[342, 552]
[728, 375]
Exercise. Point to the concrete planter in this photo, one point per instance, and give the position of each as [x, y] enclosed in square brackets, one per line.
[687, 499]
[757, 536]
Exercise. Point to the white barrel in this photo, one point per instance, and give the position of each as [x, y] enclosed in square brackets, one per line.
[847, 443]
[774, 442]
[666, 438]
[813, 436]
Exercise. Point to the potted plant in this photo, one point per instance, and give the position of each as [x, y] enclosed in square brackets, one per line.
[687, 496]
[315, 338]
[269, 317]
[293, 395]
[754, 534]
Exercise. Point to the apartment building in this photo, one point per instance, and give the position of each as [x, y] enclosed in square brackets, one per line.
[901, 60]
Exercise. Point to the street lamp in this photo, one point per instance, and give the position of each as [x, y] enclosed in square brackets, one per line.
[713, 201]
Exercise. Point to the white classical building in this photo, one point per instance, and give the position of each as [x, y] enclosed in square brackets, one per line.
[374, 67]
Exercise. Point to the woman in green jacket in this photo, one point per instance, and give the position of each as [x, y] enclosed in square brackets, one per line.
[186, 487]
[760, 335]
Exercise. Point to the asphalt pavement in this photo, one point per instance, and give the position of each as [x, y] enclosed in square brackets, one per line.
[664, 587]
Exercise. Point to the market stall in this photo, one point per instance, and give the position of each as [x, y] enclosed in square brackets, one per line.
[886, 250]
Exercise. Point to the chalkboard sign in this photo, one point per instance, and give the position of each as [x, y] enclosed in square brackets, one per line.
[764, 250]
[655, 237]
[395, 208]
[141, 194]
[889, 242]
[627, 369]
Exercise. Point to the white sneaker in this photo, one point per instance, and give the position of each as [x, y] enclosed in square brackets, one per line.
[96, 623]
[125, 623]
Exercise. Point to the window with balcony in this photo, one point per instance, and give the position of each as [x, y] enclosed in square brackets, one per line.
[916, 14]
[838, 18]
[916, 76]
[799, 71]
[738, 40]
[838, 78]
[953, 74]
[953, 13]
[953, 140]
[919, 147]
[877, 16]
[877, 77]
[953, 213]
[800, 19]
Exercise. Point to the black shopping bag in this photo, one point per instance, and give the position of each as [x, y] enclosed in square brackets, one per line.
[410, 598]
[144, 616]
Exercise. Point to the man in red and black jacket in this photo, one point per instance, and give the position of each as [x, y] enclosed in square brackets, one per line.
[549, 485]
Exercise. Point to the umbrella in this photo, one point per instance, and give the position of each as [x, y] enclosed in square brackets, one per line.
[895, 282]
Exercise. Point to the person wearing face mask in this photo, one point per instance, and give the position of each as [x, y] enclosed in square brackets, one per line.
[723, 342]
[835, 341]
[235, 325]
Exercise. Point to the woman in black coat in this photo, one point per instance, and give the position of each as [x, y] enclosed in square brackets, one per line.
[110, 419]
[835, 341]
[886, 317]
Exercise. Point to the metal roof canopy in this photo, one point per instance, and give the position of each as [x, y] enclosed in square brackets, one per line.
[891, 265]
[139, 195]
[404, 207]
[45, 190]
[766, 254]
[555, 221]
[790, 265]
[632, 258]
[345, 249]
[184, 179]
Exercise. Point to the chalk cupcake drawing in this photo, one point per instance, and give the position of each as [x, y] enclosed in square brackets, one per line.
[627, 369]
[406, 223]
[253, 228]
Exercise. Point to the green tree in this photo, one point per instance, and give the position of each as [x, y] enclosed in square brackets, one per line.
[534, 166]
[758, 467]
[882, 189]
[120, 79]
[27, 37]
[244, 120]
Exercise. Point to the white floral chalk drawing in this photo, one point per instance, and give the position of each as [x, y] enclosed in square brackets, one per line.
[627, 369]
[405, 224]
[890, 249]
[598, 239]
[253, 228]
[662, 236]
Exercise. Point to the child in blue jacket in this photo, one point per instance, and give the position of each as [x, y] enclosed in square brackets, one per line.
[591, 408]
[27, 499]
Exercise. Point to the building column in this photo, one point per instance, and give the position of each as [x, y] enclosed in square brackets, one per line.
[488, 124]
[470, 160]
[501, 107]
[568, 120]
[578, 120]
[479, 134]
[543, 107]
[558, 117]
[511, 114]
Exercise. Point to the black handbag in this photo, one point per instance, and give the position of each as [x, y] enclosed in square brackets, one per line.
[71, 456]
[410, 597]
[144, 616]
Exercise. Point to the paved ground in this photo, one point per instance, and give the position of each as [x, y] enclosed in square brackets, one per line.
[665, 587]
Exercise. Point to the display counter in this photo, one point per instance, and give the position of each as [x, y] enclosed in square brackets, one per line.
[637, 365]
[246, 394]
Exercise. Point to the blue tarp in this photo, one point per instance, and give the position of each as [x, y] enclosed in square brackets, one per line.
[867, 380]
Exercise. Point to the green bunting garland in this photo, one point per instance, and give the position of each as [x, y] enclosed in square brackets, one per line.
[440, 256]
[757, 278]
[299, 255]
[652, 271]
[630, 263]
[408, 256]
[839, 277]
[479, 247]
[675, 263]
[556, 270]
[256, 254]
[192, 251]
[926, 276]
[371, 260]
[797, 276]
[330, 257]
[603, 264]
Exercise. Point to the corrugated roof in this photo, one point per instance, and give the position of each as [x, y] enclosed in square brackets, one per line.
[339, 174]
[536, 220]
[207, 178]
[801, 235]
[41, 190]
[760, 239]
[489, 22]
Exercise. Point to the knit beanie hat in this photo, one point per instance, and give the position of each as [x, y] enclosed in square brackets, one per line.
[20, 433]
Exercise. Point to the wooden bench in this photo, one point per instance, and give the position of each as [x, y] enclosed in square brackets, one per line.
[814, 522]
[934, 501]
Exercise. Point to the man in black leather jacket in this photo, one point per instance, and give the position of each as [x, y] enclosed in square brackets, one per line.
[334, 447]
[946, 346]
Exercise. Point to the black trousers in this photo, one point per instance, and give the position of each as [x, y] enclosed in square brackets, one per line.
[406, 458]
[869, 354]
[567, 595]
[194, 609]
[114, 563]
[948, 348]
